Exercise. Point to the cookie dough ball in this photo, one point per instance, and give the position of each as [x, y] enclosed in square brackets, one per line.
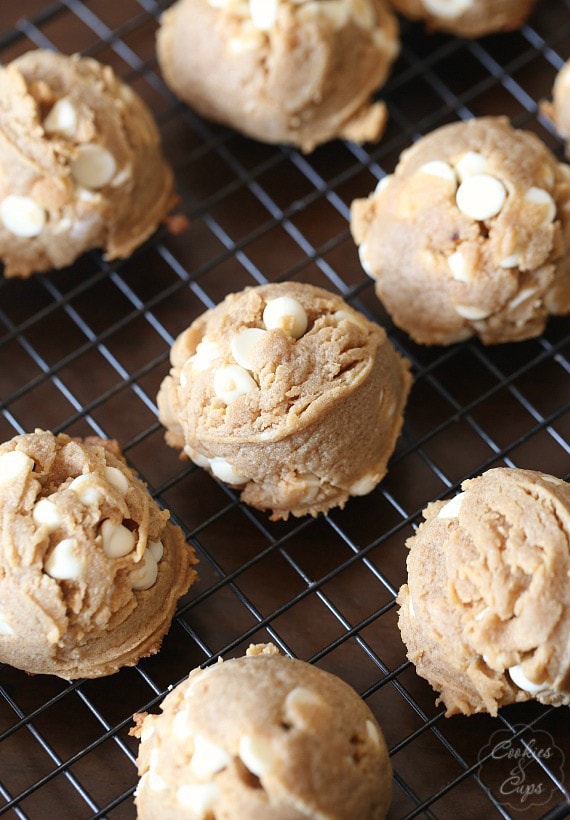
[470, 236]
[559, 110]
[288, 393]
[262, 736]
[485, 614]
[467, 18]
[80, 164]
[293, 71]
[91, 568]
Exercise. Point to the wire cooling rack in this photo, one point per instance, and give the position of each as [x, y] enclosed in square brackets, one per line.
[83, 350]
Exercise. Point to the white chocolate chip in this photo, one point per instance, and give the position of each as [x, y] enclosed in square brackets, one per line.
[156, 782]
[231, 382]
[470, 164]
[481, 196]
[196, 457]
[65, 562]
[511, 261]
[255, 754]
[62, 119]
[62, 226]
[382, 183]
[22, 216]
[458, 267]
[46, 514]
[366, 267]
[447, 8]
[208, 758]
[519, 679]
[118, 479]
[146, 573]
[243, 344]
[526, 293]
[205, 355]
[438, 168]
[300, 702]
[364, 485]
[157, 549]
[538, 196]
[117, 539]
[451, 509]
[199, 798]
[263, 13]
[312, 485]
[411, 609]
[148, 728]
[87, 488]
[286, 314]
[93, 166]
[5, 628]
[181, 725]
[373, 733]
[225, 471]
[472, 312]
[481, 615]
[122, 176]
[14, 465]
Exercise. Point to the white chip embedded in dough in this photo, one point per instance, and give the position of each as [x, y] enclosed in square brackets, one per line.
[118, 479]
[226, 472]
[263, 13]
[458, 267]
[146, 573]
[472, 312]
[519, 678]
[22, 216]
[451, 509]
[46, 514]
[14, 465]
[469, 164]
[481, 196]
[256, 754]
[117, 539]
[231, 382]
[438, 168]
[538, 196]
[243, 344]
[87, 488]
[65, 562]
[199, 798]
[287, 314]
[62, 119]
[93, 166]
[208, 758]
[447, 8]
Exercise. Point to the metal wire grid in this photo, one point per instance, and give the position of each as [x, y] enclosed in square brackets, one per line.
[323, 589]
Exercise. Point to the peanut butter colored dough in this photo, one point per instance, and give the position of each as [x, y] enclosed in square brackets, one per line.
[293, 71]
[286, 392]
[470, 236]
[262, 736]
[91, 568]
[468, 18]
[80, 164]
[559, 110]
[485, 614]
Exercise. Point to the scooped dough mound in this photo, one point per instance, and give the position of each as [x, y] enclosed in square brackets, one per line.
[288, 393]
[80, 164]
[468, 18]
[559, 109]
[485, 614]
[470, 236]
[293, 71]
[262, 736]
[90, 566]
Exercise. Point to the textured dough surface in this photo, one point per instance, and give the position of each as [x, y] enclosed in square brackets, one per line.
[485, 614]
[69, 605]
[83, 151]
[322, 412]
[304, 74]
[468, 18]
[262, 736]
[470, 236]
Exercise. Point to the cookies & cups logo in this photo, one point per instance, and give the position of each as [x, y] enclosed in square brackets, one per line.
[516, 769]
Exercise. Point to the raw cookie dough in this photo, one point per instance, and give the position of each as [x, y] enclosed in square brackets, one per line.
[485, 614]
[467, 18]
[90, 567]
[289, 71]
[262, 736]
[470, 236]
[559, 110]
[80, 164]
[287, 392]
